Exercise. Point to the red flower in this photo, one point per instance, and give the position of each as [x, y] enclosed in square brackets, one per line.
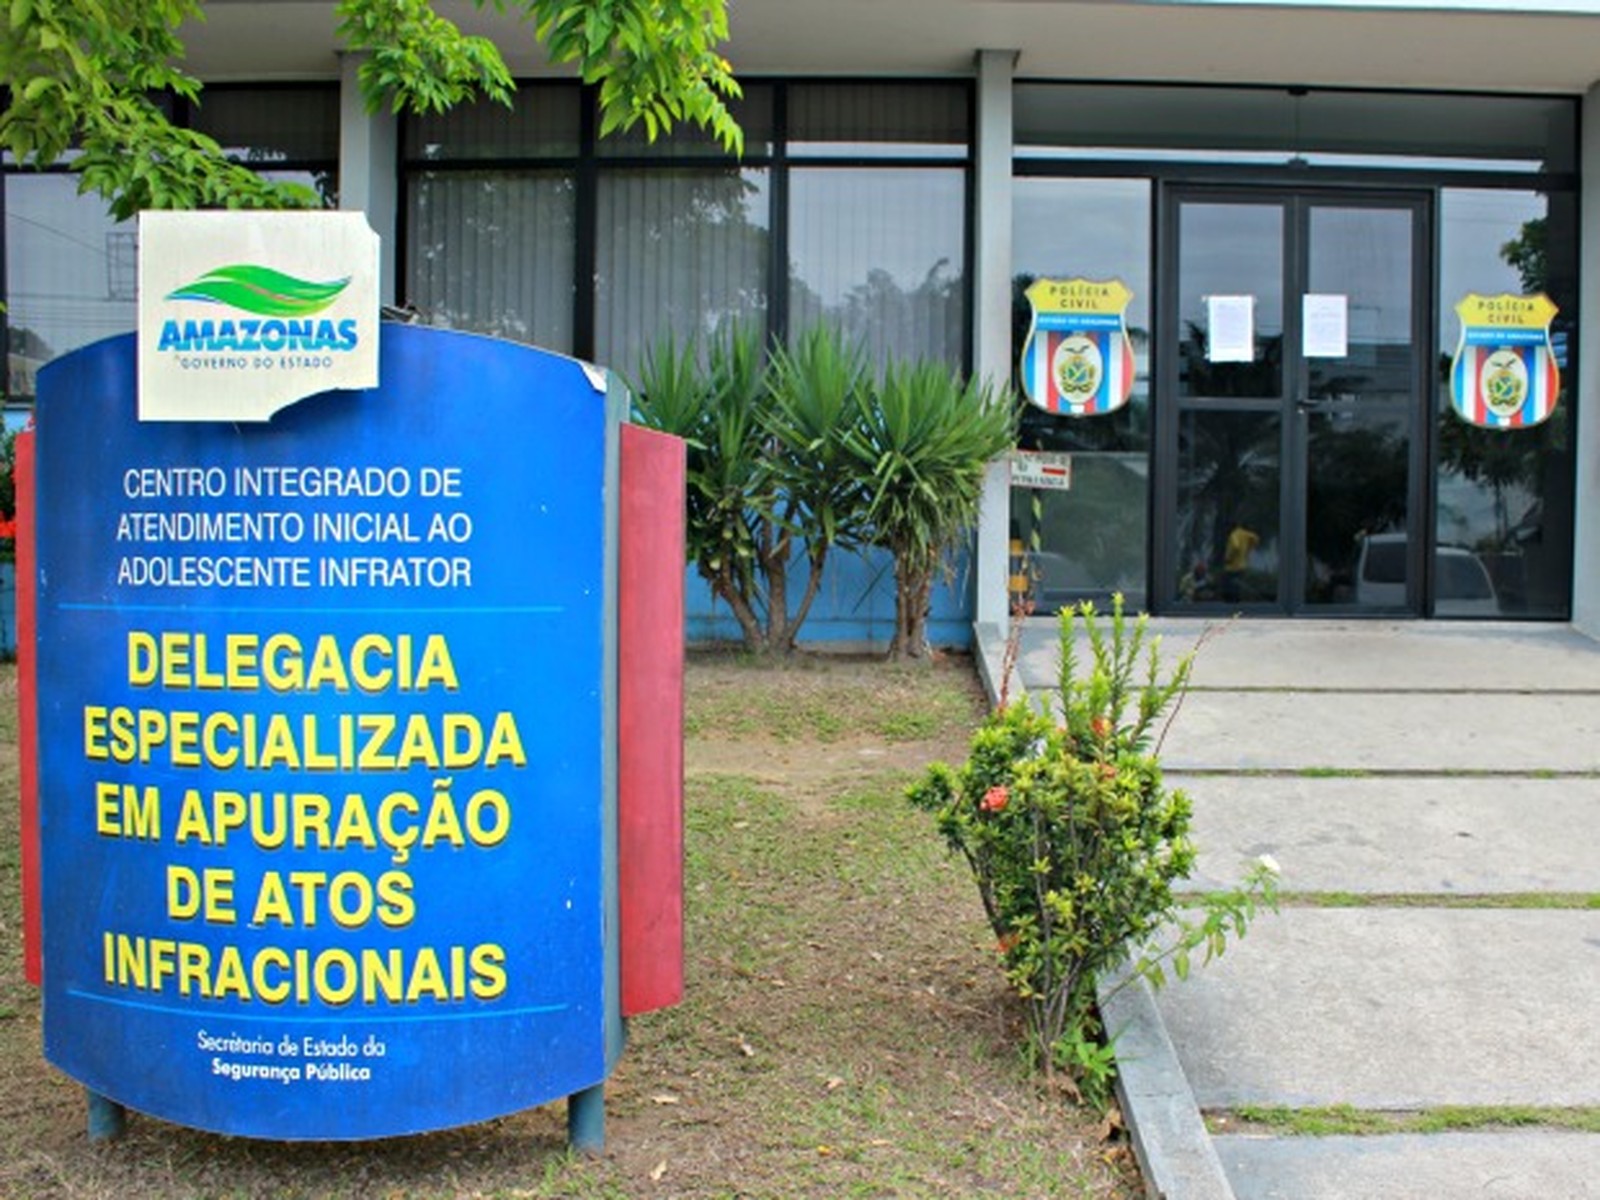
[994, 800]
[8, 527]
[1101, 727]
[1008, 943]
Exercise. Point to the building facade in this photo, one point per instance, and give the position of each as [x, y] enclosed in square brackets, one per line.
[1297, 200]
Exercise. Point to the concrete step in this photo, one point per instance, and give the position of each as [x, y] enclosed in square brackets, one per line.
[1395, 1008]
[1399, 835]
[1253, 731]
[1510, 1165]
[1359, 655]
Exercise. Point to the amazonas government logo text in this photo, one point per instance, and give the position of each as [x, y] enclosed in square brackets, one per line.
[283, 309]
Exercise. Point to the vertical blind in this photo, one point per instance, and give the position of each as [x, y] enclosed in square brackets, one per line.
[879, 251]
[493, 252]
[679, 252]
[857, 199]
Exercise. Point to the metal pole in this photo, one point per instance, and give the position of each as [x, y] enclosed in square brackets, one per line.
[586, 1120]
[108, 1120]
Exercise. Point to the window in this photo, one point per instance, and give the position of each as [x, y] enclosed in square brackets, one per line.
[1303, 127]
[69, 274]
[849, 205]
[70, 271]
[1089, 540]
[880, 252]
[492, 252]
[680, 252]
[1504, 497]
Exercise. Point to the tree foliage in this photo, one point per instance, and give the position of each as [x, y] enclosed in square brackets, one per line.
[82, 77]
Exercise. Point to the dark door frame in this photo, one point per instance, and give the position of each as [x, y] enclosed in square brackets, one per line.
[1296, 201]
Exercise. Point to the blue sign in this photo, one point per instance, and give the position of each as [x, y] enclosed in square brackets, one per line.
[324, 726]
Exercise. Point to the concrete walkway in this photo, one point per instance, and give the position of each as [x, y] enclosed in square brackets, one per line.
[1432, 793]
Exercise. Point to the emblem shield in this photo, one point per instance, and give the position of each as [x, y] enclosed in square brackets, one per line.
[1077, 359]
[1505, 374]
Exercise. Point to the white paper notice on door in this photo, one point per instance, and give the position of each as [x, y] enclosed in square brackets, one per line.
[1232, 321]
[1326, 319]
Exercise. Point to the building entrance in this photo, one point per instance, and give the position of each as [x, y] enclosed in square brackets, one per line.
[1292, 399]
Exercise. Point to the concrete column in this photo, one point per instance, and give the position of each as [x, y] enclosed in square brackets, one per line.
[991, 299]
[369, 168]
[1585, 392]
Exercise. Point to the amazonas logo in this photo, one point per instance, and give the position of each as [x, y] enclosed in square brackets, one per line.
[283, 309]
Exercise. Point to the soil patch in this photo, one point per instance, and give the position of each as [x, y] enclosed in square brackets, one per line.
[845, 1031]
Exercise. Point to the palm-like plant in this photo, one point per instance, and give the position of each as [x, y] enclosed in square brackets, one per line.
[818, 392]
[728, 500]
[923, 448]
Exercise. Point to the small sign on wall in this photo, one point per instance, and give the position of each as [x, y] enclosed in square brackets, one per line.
[1231, 321]
[1325, 324]
[1505, 374]
[1041, 469]
[243, 313]
[1077, 359]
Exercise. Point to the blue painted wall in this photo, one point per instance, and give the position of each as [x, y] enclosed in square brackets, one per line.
[855, 607]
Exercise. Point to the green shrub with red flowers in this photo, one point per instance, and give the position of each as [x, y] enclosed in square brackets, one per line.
[1076, 843]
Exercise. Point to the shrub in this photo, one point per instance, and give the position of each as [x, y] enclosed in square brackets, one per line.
[730, 496]
[792, 459]
[922, 450]
[818, 393]
[1075, 843]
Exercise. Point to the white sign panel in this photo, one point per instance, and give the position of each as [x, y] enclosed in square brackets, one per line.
[1041, 469]
[1232, 320]
[1326, 319]
[243, 313]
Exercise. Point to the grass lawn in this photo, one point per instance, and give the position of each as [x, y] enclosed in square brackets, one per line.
[845, 1033]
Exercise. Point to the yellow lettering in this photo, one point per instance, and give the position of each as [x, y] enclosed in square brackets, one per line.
[192, 821]
[505, 742]
[436, 666]
[327, 666]
[142, 658]
[272, 902]
[268, 958]
[231, 980]
[368, 679]
[488, 971]
[242, 650]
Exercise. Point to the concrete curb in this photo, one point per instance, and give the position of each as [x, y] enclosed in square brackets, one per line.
[1169, 1139]
[989, 652]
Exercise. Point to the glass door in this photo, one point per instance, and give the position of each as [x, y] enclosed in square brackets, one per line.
[1291, 474]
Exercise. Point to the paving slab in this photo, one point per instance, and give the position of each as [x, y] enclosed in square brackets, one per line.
[1399, 835]
[1521, 1165]
[1395, 1008]
[1254, 731]
[1457, 728]
[1359, 655]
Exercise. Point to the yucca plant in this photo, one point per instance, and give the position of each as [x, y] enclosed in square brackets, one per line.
[923, 446]
[817, 395]
[715, 408]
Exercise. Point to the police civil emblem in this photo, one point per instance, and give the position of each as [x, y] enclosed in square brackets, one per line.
[1077, 359]
[1505, 374]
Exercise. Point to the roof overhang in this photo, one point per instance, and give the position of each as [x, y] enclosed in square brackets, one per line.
[1552, 46]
